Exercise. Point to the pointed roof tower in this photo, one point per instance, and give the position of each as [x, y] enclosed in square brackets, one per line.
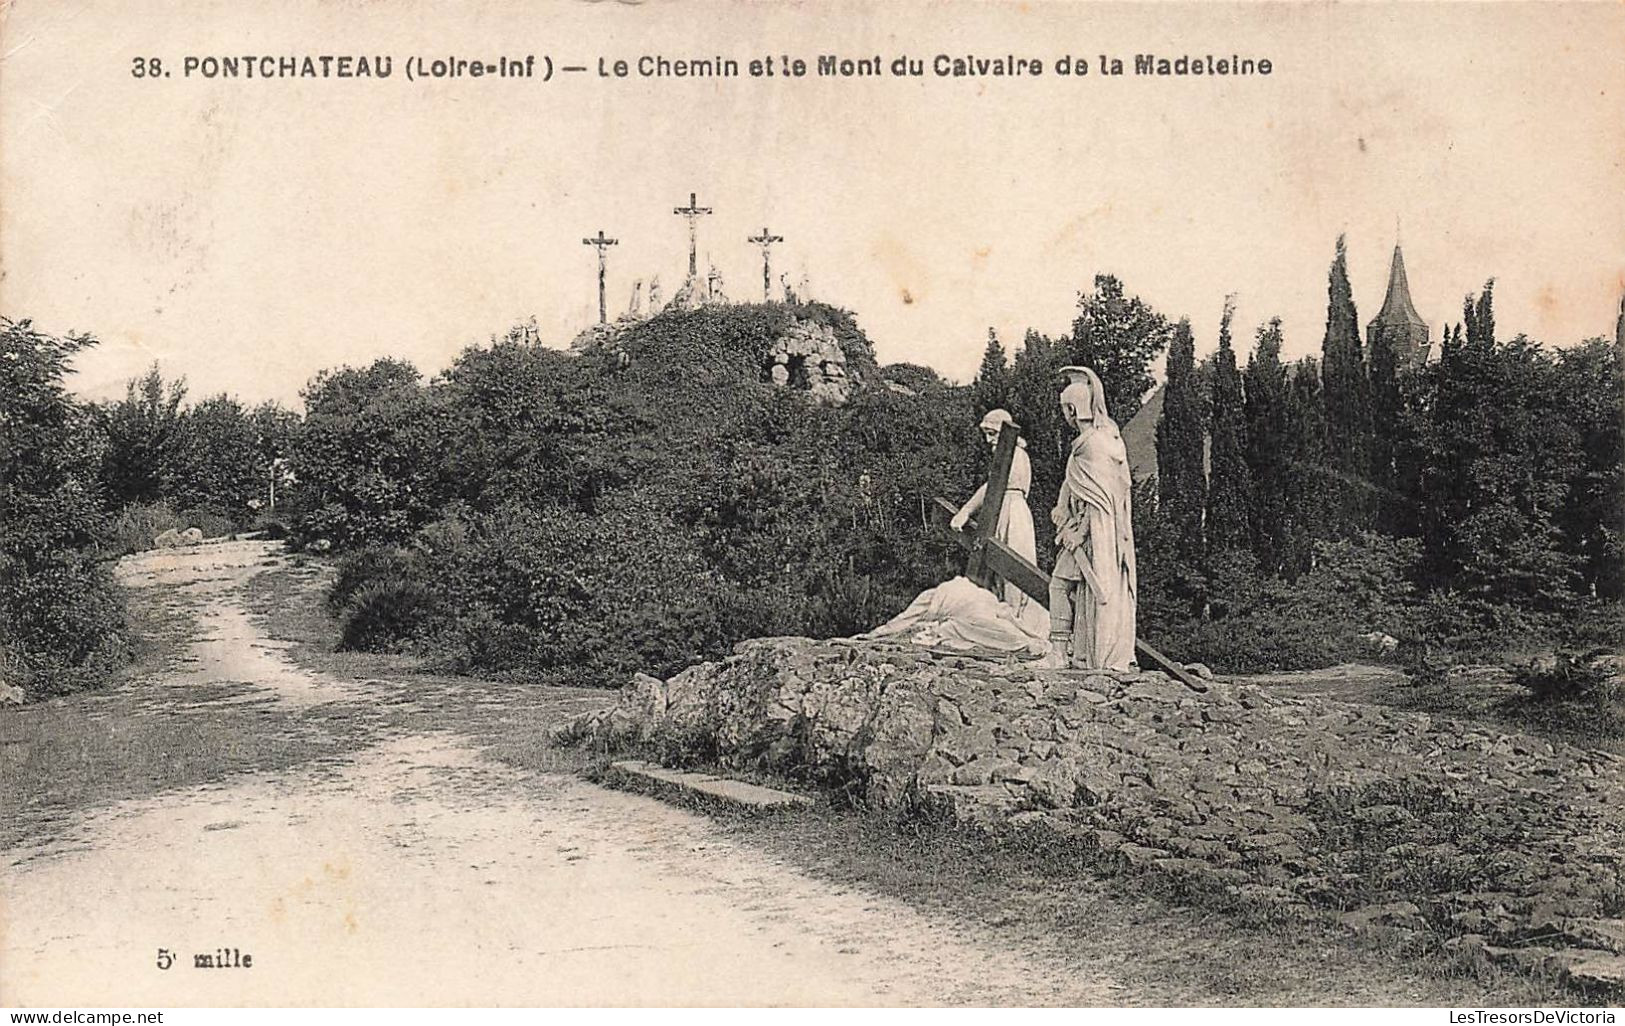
[1398, 322]
[1397, 305]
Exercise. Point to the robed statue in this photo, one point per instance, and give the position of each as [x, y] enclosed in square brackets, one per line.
[960, 615]
[1092, 589]
[1015, 525]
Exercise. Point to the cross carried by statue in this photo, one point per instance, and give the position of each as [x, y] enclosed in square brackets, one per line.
[991, 561]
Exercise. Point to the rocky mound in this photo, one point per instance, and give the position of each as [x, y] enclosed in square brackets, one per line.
[1392, 821]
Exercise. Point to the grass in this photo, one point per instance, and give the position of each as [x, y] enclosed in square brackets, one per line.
[1485, 694]
[1167, 944]
[137, 739]
[1164, 944]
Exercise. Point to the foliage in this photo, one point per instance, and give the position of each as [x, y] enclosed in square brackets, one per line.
[1496, 469]
[61, 617]
[1594, 678]
[1118, 335]
[598, 517]
[140, 430]
[1181, 473]
[1230, 484]
[1347, 397]
[370, 458]
[1269, 448]
[992, 385]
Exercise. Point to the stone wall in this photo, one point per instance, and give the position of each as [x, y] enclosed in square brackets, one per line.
[1391, 821]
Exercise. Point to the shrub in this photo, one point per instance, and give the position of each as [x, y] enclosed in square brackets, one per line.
[133, 528]
[61, 626]
[383, 616]
[61, 617]
[376, 564]
[1596, 677]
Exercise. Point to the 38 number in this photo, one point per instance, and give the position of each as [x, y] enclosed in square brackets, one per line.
[147, 67]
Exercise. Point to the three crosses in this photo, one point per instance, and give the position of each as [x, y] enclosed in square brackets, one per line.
[693, 212]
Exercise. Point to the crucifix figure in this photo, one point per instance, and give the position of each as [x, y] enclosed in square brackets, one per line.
[766, 240]
[603, 244]
[693, 212]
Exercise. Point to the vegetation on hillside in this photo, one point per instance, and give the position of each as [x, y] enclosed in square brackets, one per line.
[654, 499]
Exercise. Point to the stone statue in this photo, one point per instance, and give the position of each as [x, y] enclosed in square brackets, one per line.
[1015, 526]
[1091, 598]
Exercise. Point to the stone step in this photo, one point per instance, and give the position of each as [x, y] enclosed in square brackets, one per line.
[738, 793]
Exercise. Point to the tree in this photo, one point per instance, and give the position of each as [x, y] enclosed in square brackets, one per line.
[371, 458]
[142, 431]
[1387, 412]
[216, 463]
[60, 614]
[1500, 463]
[1312, 495]
[1591, 391]
[1181, 481]
[1118, 336]
[992, 385]
[1347, 400]
[1268, 447]
[1035, 389]
[1230, 485]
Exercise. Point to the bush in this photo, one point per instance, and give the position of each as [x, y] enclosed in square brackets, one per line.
[61, 617]
[383, 616]
[61, 626]
[133, 528]
[1596, 677]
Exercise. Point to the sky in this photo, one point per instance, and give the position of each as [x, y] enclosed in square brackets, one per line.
[246, 234]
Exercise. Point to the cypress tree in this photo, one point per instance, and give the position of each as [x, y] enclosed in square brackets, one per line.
[1181, 483]
[1230, 484]
[1034, 400]
[1268, 446]
[992, 385]
[1386, 413]
[1347, 395]
[1310, 497]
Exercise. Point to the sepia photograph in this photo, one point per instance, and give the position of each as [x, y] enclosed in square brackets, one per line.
[602, 504]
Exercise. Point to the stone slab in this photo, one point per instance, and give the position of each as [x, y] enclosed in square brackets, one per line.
[734, 792]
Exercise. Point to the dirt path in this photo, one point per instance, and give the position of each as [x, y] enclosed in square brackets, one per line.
[415, 870]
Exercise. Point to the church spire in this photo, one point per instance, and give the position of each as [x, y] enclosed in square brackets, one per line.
[1398, 324]
[1397, 305]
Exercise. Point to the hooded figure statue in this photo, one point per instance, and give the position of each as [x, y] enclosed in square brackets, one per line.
[1015, 526]
[1091, 601]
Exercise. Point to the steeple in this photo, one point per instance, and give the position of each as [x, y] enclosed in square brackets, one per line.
[1397, 305]
[1397, 323]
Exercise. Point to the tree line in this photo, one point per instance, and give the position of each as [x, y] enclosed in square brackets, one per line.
[650, 502]
[1481, 494]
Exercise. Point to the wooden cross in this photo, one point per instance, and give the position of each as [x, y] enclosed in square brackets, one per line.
[693, 212]
[602, 243]
[991, 560]
[766, 240]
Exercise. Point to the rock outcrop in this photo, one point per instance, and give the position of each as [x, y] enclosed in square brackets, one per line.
[1392, 821]
[808, 356]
